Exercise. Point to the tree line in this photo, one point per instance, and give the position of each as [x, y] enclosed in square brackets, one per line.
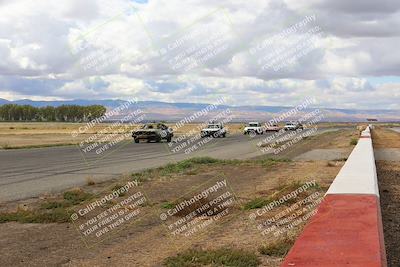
[64, 113]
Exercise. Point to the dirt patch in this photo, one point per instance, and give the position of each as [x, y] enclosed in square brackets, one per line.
[385, 138]
[389, 187]
[388, 154]
[325, 154]
[330, 140]
[38, 244]
[385, 142]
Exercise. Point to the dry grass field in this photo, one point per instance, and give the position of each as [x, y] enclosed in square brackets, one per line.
[36, 134]
[42, 134]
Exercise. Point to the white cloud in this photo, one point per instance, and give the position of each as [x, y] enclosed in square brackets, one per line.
[359, 39]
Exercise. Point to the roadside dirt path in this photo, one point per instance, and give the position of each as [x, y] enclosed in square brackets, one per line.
[389, 186]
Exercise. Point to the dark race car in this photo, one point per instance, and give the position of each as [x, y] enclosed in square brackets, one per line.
[153, 132]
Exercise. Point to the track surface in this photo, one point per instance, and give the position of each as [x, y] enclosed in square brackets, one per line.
[397, 129]
[30, 172]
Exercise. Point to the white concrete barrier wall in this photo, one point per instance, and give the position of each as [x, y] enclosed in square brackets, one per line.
[358, 175]
[347, 228]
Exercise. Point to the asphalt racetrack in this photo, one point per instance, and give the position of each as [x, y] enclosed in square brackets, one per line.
[30, 172]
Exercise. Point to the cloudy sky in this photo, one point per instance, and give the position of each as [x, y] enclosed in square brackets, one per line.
[278, 52]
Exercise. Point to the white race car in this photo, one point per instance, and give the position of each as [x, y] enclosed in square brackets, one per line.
[253, 128]
[215, 129]
[293, 126]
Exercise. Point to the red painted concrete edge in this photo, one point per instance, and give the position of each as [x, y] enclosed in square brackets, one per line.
[381, 234]
[346, 231]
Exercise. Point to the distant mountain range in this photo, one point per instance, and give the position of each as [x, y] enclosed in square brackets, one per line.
[155, 110]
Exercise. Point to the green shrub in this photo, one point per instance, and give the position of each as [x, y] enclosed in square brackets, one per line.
[204, 160]
[54, 205]
[118, 187]
[56, 215]
[184, 165]
[219, 257]
[76, 196]
[353, 142]
[167, 205]
[256, 203]
[277, 248]
[6, 146]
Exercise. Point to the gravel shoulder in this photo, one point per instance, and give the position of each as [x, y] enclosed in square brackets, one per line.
[389, 190]
[388, 171]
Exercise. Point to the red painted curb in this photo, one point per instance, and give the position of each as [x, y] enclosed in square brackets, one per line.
[346, 231]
